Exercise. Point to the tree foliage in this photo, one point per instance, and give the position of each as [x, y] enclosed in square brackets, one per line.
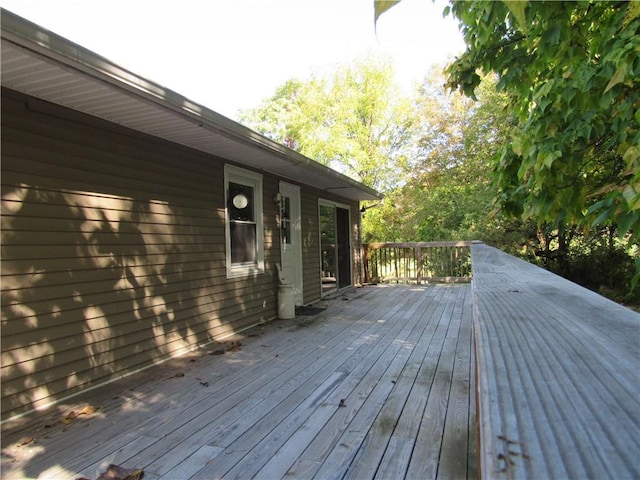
[352, 119]
[447, 193]
[572, 72]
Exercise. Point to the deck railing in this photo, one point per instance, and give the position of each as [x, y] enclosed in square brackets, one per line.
[417, 262]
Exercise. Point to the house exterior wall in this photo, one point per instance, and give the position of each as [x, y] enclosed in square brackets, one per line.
[113, 253]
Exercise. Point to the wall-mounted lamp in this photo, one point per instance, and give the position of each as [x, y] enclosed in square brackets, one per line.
[364, 208]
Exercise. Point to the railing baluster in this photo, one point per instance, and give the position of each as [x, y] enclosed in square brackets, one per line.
[418, 262]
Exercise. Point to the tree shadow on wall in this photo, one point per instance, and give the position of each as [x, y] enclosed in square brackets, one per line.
[93, 286]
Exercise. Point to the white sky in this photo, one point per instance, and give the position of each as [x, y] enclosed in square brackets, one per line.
[231, 54]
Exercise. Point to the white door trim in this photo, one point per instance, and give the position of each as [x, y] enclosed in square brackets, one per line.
[292, 252]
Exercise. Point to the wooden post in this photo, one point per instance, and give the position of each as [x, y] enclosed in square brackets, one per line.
[365, 261]
[418, 255]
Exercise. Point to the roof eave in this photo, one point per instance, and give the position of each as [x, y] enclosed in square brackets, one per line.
[83, 62]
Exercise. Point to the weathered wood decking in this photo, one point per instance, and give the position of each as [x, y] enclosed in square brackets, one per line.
[558, 375]
[377, 386]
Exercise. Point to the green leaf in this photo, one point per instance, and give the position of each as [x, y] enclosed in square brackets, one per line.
[546, 159]
[381, 6]
[632, 198]
[633, 11]
[516, 145]
[626, 222]
[631, 155]
[618, 77]
[517, 9]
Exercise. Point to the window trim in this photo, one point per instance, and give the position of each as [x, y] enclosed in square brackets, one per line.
[254, 180]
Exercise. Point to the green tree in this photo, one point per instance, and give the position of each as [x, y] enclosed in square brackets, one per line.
[353, 120]
[448, 194]
[572, 71]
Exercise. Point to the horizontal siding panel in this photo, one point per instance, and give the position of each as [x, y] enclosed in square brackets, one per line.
[57, 178]
[49, 153]
[81, 255]
[96, 281]
[119, 142]
[183, 260]
[145, 223]
[29, 202]
[117, 239]
[125, 300]
[134, 331]
[102, 334]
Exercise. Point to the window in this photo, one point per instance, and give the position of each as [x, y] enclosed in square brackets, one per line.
[285, 219]
[243, 225]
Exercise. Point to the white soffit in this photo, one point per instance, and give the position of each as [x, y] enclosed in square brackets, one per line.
[41, 64]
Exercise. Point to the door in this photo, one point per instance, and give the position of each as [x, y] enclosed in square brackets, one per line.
[291, 237]
[344, 247]
[335, 247]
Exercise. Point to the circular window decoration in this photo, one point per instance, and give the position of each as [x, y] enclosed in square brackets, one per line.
[240, 201]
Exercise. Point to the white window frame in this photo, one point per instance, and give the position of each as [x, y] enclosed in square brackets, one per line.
[241, 176]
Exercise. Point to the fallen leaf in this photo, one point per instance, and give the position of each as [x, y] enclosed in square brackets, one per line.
[217, 352]
[25, 441]
[342, 404]
[234, 347]
[71, 415]
[88, 410]
[177, 375]
[204, 384]
[115, 472]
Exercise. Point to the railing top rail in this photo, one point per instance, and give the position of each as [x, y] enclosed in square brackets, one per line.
[555, 350]
[465, 243]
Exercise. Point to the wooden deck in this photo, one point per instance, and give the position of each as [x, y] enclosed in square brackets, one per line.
[558, 375]
[376, 386]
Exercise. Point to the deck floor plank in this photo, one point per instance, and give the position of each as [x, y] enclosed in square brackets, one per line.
[453, 462]
[327, 439]
[339, 355]
[343, 394]
[395, 461]
[558, 375]
[425, 459]
[277, 466]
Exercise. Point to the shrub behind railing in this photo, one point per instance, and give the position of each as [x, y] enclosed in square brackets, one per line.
[418, 262]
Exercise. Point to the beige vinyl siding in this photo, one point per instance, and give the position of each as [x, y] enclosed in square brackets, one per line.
[112, 253]
[310, 246]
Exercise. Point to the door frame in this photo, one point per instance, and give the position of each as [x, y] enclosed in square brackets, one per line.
[293, 273]
[340, 282]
